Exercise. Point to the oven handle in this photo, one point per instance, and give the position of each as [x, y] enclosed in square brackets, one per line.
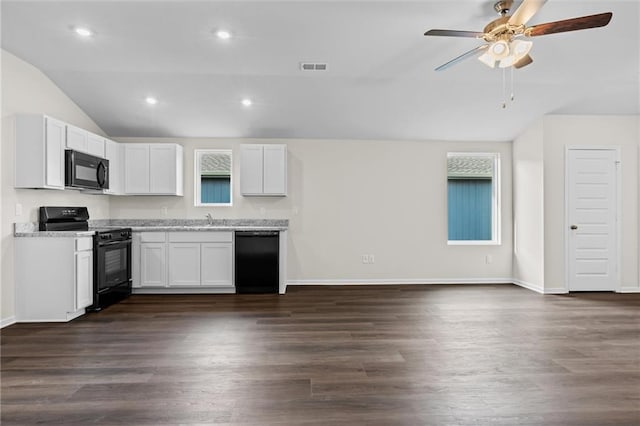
[113, 243]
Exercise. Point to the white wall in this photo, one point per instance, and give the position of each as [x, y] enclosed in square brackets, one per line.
[348, 198]
[614, 131]
[528, 208]
[27, 90]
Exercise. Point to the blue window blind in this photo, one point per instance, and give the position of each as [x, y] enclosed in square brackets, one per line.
[469, 215]
[215, 189]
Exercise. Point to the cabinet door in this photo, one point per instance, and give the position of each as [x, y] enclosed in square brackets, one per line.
[275, 170]
[184, 264]
[84, 279]
[95, 145]
[251, 169]
[77, 139]
[162, 169]
[153, 265]
[54, 163]
[113, 153]
[217, 264]
[136, 168]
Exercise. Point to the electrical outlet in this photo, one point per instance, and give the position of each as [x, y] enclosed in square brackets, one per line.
[372, 258]
[263, 211]
[165, 211]
[18, 209]
[488, 259]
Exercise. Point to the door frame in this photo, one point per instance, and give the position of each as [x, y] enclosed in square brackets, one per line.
[617, 287]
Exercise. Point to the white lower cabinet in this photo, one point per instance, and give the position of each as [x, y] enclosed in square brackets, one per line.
[153, 259]
[54, 278]
[183, 261]
[84, 279]
[153, 265]
[216, 264]
[184, 264]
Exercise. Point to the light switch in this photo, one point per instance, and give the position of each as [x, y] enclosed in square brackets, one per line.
[18, 209]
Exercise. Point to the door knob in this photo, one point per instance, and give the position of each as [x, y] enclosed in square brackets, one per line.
[574, 226]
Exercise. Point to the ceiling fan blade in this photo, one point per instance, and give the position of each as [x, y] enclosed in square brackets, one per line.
[523, 62]
[462, 57]
[581, 23]
[454, 33]
[525, 11]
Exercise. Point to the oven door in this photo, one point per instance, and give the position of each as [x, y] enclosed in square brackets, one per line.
[113, 264]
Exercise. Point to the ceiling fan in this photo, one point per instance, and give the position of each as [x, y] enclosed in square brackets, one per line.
[504, 45]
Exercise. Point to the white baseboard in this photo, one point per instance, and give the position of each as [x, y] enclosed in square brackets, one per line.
[5, 322]
[634, 289]
[402, 281]
[557, 290]
[161, 290]
[529, 286]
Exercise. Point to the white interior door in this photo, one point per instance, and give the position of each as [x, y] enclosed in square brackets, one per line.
[592, 212]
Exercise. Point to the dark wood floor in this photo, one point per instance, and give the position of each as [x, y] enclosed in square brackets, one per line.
[383, 355]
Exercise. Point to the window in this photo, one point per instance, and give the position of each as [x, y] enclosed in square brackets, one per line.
[212, 177]
[473, 208]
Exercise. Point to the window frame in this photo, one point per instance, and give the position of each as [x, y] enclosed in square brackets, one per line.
[197, 177]
[496, 217]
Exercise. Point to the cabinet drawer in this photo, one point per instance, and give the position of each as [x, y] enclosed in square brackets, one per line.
[84, 244]
[201, 237]
[152, 237]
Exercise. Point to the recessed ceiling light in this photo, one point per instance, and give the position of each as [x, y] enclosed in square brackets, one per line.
[83, 32]
[223, 34]
[247, 102]
[151, 100]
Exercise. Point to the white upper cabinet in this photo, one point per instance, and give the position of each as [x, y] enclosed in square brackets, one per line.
[275, 170]
[136, 168]
[113, 152]
[83, 141]
[95, 145]
[77, 139]
[263, 170]
[153, 169]
[251, 169]
[40, 143]
[165, 169]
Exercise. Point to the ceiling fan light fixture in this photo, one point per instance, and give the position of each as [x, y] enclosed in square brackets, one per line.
[499, 49]
[519, 49]
[487, 59]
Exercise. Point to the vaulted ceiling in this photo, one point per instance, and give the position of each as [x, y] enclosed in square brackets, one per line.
[380, 81]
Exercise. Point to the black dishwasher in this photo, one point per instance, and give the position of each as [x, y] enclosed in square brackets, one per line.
[256, 261]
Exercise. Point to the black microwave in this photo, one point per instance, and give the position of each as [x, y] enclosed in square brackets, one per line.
[85, 171]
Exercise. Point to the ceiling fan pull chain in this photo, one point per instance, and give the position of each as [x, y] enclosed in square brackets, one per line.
[504, 88]
[512, 95]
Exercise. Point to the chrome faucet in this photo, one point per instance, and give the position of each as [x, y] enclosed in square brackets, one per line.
[209, 218]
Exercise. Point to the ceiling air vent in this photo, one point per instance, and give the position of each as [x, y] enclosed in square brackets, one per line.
[312, 66]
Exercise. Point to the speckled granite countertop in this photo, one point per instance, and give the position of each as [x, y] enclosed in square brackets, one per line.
[30, 229]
